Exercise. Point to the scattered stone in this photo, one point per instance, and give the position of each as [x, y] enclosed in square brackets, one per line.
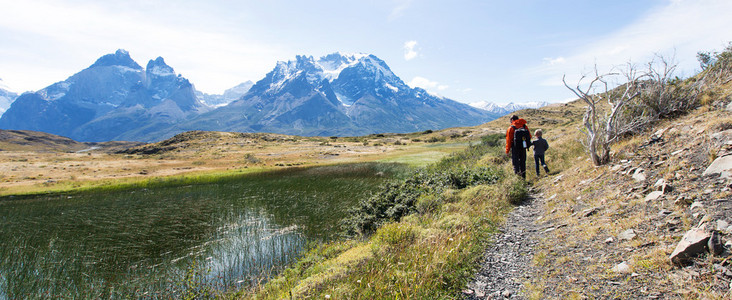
[659, 133]
[652, 196]
[639, 175]
[660, 183]
[693, 243]
[622, 268]
[677, 152]
[468, 291]
[627, 235]
[609, 240]
[696, 204]
[506, 294]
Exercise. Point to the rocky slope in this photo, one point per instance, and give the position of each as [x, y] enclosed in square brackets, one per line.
[612, 231]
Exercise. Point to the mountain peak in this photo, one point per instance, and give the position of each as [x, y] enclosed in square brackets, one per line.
[119, 58]
[159, 67]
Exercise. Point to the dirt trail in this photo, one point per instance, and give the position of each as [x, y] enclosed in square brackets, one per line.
[506, 262]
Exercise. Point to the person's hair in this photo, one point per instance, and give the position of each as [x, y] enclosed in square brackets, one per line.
[514, 118]
[537, 132]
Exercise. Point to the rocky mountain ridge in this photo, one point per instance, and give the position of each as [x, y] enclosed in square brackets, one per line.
[338, 94]
[113, 99]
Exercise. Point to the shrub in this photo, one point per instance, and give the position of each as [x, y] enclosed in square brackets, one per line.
[397, 199]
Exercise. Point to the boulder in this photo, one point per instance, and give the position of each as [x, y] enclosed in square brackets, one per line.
[722, 166]
[692, 244]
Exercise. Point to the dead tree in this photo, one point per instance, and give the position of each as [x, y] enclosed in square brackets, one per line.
[603, 126]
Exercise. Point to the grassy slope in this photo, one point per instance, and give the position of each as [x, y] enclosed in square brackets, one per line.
[425, 255]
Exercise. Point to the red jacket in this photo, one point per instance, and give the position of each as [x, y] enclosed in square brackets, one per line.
[509, 133]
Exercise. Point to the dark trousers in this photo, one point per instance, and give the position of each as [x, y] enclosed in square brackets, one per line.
[518, 159]
[539, 161]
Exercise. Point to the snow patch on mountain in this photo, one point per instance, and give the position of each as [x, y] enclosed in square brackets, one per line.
[333, 64]
[6, 97]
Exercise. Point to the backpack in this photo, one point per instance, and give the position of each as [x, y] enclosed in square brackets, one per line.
[521, 137]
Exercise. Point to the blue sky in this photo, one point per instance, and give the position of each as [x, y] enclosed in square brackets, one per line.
[469, 51]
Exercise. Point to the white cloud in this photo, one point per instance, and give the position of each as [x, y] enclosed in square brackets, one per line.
[409, 51]
[83, 31]
[399, 9]
[427, 84]
[682, 27]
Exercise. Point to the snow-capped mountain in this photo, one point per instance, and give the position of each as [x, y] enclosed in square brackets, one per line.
[228, 95]
[338, 94]
[504, 109]
[113, 99]
[6, 97]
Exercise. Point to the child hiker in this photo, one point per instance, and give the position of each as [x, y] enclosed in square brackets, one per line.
[540, 146]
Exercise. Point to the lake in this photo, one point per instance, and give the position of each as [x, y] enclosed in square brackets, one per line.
[175, 240]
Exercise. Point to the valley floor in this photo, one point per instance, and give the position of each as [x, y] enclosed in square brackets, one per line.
[209, 154]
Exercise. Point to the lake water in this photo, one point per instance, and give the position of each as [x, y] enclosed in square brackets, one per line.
[173, 241]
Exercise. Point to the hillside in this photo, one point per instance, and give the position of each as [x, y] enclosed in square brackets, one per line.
[620, 223]
[36, 141]
[592, 232]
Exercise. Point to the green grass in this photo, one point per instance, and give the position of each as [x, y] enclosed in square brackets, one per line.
[428, 232]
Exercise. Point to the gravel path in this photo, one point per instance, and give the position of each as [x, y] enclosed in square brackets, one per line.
[507, 262]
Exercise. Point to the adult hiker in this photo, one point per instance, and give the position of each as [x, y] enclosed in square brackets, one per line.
[540, 146]
[518, 139]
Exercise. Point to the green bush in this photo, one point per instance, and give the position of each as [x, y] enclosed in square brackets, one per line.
[397, 199]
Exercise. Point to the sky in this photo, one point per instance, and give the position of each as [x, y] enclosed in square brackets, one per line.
[469, 51]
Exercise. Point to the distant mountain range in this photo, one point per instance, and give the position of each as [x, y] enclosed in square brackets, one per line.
[504, 109]
[343, 95]
[228, 96]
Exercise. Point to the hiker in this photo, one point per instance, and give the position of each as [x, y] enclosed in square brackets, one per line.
[540, 146]
[518, 139]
